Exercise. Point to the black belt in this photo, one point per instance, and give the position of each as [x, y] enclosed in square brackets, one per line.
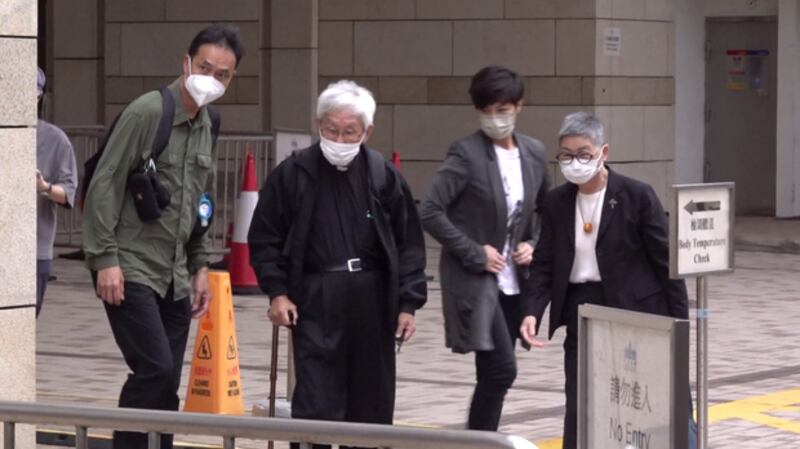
[350, 265]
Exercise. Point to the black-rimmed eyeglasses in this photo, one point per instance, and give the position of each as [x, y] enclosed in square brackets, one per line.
[567, 158]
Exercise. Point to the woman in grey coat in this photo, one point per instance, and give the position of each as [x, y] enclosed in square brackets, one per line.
[483, 208]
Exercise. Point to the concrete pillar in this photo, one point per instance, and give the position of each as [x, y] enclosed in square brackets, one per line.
[690, 72]
[631, 88]
[18, 206]
[787, 188]
[290, 64]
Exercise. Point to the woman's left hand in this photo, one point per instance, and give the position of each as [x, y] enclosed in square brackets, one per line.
[524, 254]
[405, 327]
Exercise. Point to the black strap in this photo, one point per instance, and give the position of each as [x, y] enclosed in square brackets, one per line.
[164, 129]
[377, 170]
[215, 124]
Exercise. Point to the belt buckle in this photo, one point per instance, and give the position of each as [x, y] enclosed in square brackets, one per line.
[354, 265]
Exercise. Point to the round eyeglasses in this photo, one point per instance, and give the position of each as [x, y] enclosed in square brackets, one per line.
[567, 158]
[348, 135]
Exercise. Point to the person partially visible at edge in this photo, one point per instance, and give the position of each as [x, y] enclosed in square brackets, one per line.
[56, 182]
[337, 245]
[604, 241]
[483, 207]
[147, 272]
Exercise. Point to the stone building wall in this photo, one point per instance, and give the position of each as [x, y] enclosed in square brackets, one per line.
[417, 56]
[18, 206]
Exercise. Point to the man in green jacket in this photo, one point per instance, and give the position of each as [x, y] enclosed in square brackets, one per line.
[145, 272]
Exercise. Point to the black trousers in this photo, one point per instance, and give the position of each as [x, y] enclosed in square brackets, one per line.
[42, 276]
[344, 350]
[151, 333]
[577, 294]
[496, 369]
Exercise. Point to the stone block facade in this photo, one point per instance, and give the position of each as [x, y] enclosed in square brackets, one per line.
[144, 47]
[416, 56]
[18, 31]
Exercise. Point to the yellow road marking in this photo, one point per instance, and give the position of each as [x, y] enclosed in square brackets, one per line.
[549, 444]
[757, 409]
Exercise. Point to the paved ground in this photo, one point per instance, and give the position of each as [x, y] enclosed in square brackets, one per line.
[754, 367]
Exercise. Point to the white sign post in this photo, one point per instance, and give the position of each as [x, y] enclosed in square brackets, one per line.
[632, 386]
[287, 141]
[701, 243]
[701, 237]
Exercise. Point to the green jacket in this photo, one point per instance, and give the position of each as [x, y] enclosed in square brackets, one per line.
[160, 252]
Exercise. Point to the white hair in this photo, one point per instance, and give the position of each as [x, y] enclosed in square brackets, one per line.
[583, 124]
[347, 95]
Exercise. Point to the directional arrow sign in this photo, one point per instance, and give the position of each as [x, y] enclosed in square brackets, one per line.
[701, 229]
[701, 206]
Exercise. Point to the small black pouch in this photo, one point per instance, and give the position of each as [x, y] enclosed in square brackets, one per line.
[141, 188]
[162, 194]
[149, 194]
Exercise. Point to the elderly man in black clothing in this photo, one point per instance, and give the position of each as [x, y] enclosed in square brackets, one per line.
[337, 245]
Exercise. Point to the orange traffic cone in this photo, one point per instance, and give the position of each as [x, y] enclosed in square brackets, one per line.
[396, 160]
[243, 278]
[215, 385]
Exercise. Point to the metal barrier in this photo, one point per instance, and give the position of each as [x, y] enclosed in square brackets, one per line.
[231, 152]
[231, 427]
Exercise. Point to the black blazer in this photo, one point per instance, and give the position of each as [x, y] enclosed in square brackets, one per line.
[632, 252]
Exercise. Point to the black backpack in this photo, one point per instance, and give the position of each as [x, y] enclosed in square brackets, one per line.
[160, 141]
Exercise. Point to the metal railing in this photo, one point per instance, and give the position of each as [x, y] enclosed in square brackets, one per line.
[154, 423]
[231, 153]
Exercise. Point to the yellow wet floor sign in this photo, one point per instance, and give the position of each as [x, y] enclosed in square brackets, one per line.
[215, 385]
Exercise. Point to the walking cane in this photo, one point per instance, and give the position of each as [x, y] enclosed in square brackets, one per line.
[273, 374]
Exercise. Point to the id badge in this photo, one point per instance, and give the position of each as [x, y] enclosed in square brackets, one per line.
[205, 209]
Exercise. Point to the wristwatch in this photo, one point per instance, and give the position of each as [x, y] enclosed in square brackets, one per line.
[49, 187]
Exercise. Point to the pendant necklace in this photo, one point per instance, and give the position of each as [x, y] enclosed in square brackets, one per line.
[588, 226]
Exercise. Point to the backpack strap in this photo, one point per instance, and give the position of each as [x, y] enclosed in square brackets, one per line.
[377, 171]
[213, 114]
[164, 129]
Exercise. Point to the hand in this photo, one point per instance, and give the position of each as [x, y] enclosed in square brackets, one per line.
[111, 285]
[41, 184]
[524, 254]
[528, 331]
[202, 296]
[495, 262]
[283, 312]
[405, 327]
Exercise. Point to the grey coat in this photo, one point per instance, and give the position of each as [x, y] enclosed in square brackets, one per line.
[466, 209]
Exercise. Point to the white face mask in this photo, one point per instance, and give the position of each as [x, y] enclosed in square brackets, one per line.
[498, 126]
[203, 88]
[578, 173]
[340, 155]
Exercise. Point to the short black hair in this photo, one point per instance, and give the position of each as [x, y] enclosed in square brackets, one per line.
[226, 36]
[495, 84]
